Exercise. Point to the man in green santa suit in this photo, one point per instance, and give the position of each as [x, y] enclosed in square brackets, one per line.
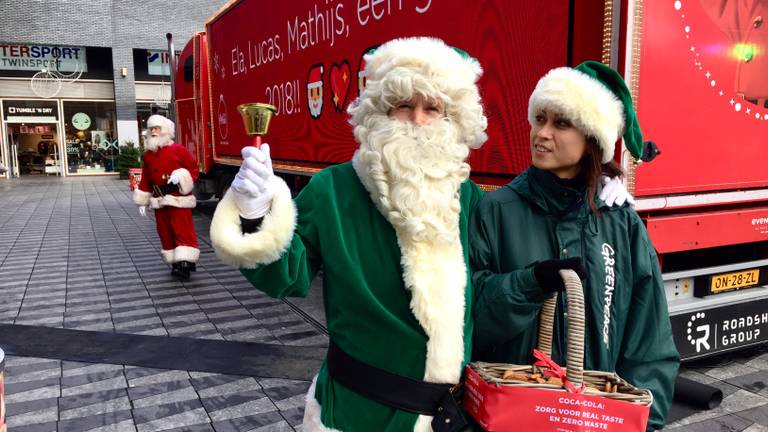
[389, 230]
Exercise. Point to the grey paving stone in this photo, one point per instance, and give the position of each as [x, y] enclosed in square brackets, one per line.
[724, 423]
[757, 415]
[14, 370]
[35, 393]
[99, 373]
[139, 376]
[28, 418]
[95, 421]
[246, 407]
[85, 399]
[731, 370]
[101, 407]
[123, 426]
[206, 427]
[25, 407]
[239, 385]
[181, 395]
[738, 401]
[37, 427]
[106, 384]
[293, 416]
[754, 382]
[158, 388]
[279, 389]
[42, 375]
[170, 415]
[249, 423]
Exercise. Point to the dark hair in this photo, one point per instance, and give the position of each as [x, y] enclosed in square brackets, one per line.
[592, 169]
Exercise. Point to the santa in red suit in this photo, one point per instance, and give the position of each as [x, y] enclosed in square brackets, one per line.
[168, 175]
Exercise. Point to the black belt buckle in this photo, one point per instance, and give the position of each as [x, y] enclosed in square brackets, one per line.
[449, 416]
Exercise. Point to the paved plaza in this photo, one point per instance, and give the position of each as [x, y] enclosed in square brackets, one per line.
[100, 337]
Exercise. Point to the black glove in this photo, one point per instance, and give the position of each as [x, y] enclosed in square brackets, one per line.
[547, 275]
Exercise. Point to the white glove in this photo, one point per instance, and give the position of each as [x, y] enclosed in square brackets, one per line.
[143, 210]
[174, 179]
[614, 192]
[253, 186]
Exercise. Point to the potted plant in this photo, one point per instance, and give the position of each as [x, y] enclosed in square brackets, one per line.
[130, 157]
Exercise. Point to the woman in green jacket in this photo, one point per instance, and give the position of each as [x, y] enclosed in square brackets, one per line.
[549, 218]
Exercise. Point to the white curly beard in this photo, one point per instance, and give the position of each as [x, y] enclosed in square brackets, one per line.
[155, 142]
[413, 174]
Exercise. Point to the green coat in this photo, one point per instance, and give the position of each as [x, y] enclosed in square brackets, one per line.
[367, 305]
[523, 223]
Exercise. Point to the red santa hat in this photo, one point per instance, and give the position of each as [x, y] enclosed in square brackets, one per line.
[167, 127]
[315, 78]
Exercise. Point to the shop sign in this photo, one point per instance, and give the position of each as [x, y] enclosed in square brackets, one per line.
[30, 112]
[709, 331]
[38, 57]
[158, 63]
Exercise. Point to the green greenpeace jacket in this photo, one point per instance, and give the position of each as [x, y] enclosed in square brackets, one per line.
[535, 218]
[370, 312]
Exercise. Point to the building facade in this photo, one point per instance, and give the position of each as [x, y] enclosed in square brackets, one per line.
[78, 78]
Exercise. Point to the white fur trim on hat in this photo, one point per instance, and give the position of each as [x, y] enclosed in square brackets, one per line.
[402, 68]
[261, 247]
[166, 125]
[583, 100]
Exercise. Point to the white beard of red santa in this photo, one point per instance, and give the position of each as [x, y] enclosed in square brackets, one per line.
[417, 171]
[155, 142]
[315, 98]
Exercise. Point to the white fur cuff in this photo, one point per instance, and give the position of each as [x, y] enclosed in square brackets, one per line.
[262, 247]
[186, 253]
[140, 197]
[186, 201]
[312, 421]
[186, 184]
[168, 256]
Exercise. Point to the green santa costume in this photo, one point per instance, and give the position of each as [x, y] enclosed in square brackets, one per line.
[389, 230]
[539, 217]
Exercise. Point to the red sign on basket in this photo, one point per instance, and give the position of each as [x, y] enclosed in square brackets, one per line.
[545, 410]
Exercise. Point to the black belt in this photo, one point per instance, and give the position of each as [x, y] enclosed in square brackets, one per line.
[397, 391]
[166, 189]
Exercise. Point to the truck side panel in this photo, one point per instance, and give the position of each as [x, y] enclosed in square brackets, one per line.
[301, 56]
[694, 101]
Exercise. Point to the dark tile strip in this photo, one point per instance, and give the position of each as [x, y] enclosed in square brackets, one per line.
[179, 353]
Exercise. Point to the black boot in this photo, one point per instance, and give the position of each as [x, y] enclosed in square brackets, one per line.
[183, 270]
[175, 269]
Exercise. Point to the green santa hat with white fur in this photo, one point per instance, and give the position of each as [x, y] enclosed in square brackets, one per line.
[596, 100]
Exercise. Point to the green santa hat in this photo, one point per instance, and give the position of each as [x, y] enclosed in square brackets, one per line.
[596, 100]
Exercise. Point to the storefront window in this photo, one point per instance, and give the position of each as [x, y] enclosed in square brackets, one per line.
[91, 137]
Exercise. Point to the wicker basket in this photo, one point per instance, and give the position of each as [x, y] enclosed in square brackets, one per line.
[498, 393]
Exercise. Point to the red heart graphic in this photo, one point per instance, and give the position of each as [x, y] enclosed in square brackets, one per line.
[341, 77]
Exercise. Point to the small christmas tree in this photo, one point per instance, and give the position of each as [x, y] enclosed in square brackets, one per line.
[130, 157]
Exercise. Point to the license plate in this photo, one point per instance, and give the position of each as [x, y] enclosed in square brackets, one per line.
[731, 281]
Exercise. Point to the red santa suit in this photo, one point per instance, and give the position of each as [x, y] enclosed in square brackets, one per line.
[173, 211]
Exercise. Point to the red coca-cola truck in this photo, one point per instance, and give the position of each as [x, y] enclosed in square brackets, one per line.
[696, 68]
